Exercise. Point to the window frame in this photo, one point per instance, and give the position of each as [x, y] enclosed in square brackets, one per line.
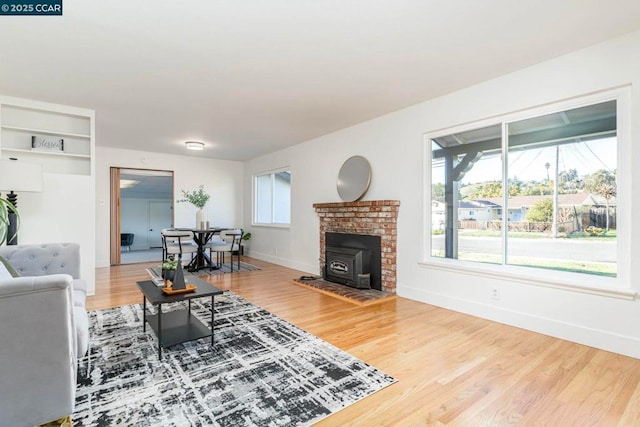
[619, 286]
[254, 214]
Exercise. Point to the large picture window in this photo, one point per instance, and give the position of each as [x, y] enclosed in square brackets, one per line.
[272, 198]
[540, 192]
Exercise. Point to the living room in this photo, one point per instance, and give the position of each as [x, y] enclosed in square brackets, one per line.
[560, 70]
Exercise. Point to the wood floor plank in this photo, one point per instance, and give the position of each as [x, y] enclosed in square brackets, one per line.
[600, 387]
[631, 415]
[453, 369]
[555, 370]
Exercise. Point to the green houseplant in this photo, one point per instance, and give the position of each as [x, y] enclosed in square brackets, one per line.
[245, 238]
[169, 268]
[199, 199]
[6, 207]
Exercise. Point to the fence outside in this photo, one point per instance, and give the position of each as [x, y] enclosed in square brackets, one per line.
[567, 227]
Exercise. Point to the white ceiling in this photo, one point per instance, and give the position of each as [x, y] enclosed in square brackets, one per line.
[253, 76]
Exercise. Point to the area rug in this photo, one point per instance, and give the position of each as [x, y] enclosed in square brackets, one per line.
[225, 267]
[262, 371]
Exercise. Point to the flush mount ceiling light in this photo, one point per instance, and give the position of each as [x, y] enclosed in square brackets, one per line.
[128, 183]
[194, 145]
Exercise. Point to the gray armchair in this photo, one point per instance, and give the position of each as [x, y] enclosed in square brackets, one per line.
[126, 240]
[44, 329]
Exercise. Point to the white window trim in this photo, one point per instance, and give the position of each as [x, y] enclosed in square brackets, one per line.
[254, 210]
[269, 225]
[616, 287]
[542, 277]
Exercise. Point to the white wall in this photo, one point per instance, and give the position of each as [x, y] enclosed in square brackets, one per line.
[63, 212]
[222, 179]
[393, 144]
[134, 217]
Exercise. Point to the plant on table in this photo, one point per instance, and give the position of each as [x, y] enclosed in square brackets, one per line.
[170, 264]
[169, 268]
[198, 197]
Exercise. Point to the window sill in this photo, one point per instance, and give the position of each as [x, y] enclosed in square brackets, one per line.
[282, 226]
[515, 274]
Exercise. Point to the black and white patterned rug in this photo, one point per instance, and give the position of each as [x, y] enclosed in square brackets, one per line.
[262, 371]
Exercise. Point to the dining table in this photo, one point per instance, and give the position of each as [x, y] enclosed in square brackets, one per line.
[202, 236]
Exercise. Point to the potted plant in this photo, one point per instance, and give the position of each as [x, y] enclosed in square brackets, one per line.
[199, 199]
[169, 268]
[245, 238]
[6, 208]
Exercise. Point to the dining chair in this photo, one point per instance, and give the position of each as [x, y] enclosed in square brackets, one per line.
[177, 242]
[227, 241]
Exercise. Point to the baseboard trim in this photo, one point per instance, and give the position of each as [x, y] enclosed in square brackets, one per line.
[101, 263]
[305, 268]
[604, 340]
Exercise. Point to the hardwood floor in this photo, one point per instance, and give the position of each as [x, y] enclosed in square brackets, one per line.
[453, 369]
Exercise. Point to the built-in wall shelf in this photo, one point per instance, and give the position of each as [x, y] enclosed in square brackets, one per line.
[46, 153]
[46, 132]
[23, 120]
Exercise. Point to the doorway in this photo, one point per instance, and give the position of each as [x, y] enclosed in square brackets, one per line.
[141, 206]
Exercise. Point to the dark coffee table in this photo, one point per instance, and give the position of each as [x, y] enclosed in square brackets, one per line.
[178, 326]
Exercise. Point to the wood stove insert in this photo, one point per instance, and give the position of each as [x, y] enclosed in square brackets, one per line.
[353, 260]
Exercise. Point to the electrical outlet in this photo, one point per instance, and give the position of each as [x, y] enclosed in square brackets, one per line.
[495, 293]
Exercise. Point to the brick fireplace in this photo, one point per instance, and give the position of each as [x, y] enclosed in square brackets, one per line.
[376, 218]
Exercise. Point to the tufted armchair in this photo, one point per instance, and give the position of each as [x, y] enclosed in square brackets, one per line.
[44, 329]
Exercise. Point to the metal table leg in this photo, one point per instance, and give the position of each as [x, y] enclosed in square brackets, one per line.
[159, 331]
[144, 313]
[212, 319]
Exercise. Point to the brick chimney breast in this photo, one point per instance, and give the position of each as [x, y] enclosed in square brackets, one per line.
[374, 217]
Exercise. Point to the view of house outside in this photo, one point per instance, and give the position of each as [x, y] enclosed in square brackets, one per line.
[560, 201]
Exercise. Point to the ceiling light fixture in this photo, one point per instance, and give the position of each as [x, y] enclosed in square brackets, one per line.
[195, 145]
[128, 183]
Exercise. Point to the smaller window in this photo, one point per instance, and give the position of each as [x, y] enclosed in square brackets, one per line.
[272, 198]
